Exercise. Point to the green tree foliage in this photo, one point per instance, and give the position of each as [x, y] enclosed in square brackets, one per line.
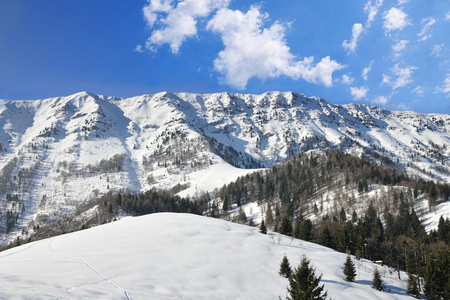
[304, 285]
[262, 228]
[325, 238]
[349, 269]
[285, 267]
[377, 283]
[412, 288]
[286, 226]
[305, 230]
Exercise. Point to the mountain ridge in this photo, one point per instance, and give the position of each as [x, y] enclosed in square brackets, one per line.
[59, 152]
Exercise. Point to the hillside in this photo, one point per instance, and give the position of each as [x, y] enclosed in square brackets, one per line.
[58, 153]
[177, 256]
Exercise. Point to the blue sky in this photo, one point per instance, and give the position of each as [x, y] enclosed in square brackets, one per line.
[394, 54]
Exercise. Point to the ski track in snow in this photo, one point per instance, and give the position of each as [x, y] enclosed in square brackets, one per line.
[87, 265]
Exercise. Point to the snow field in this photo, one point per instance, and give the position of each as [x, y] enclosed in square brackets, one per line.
[176, 256]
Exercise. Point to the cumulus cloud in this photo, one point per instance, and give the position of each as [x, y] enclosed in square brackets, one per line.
[400, 76]
[366, 71]
[347, 79]
[372, 11]
[356, 31]
[395, 19]
[177, 21]
[254, 51]
[424, 33]
[359, 93]
[400, 46]
[400, 2]
[381, 100]
[447, 16]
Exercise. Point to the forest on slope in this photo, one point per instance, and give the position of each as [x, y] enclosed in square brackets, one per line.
[331, 198]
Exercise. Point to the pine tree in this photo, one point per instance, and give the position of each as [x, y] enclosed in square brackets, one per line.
[285, 267]
[304, 285]
[349, 269]
[262, 228]
[377, 283]
[286, 226]
[430, 277]
[412, 287]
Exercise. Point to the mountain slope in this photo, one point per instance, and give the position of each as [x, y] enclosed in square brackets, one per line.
[176, 256]
[57, 153]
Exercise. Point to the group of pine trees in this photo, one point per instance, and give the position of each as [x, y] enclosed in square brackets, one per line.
[304, 285]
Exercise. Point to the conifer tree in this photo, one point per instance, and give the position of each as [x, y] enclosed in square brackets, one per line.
[377, 283]
[412, 287]
[304, 285]
[262, 228]
[349, 269]
[286, 226]
[430, 277]
[285, 267]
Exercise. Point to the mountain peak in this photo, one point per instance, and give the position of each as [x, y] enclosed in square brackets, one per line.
[78, 147]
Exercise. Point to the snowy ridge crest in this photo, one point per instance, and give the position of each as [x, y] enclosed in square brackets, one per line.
[57, 153]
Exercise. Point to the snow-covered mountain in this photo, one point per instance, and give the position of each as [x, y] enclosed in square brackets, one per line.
[178, 256]
[57, 153]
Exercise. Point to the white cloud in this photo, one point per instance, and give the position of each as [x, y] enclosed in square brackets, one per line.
[401, 45]
[447, 16]
[395, 19]
[446, 86]
[366, 71]
[351, 46]
[381, 100]
[139, 49]
[254, 51]
[419, 91]
[400, 76]
[400, 2]
[177, 22]
[359, 93]
[347, 79]
[423, 34]
[437, 50]
[372, 11]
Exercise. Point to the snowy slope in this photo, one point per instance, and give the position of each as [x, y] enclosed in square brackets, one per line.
[57, 153]
[176, 256]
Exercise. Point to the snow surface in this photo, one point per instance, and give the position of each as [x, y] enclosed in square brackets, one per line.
[176, 256]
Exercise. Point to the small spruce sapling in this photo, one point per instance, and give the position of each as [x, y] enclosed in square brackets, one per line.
[262, 228]
[285, 267]
[377, 283]
[349, 269]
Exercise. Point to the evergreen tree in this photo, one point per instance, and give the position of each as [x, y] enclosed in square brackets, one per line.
[412, 287]
[285, 267]
[305, 230]
[286, 226]
[430, 278]
[304, 285]
[325, 238]
[225, 205]
[262, 228]
[377, 283]
[349, 269]
[342, 216]
[354, 217]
